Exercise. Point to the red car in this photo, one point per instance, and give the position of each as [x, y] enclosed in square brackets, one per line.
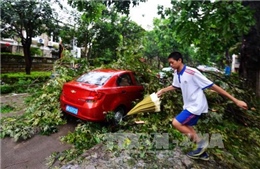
[97, 92]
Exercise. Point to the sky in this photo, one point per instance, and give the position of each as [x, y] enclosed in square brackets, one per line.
[144, 13]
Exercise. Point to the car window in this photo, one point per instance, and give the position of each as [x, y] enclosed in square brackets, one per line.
[95, 78]
[137, 80]
[124, 80]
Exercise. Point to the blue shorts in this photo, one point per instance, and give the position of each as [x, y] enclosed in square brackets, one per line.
[187, 118]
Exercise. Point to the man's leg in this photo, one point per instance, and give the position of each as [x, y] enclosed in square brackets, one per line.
[183, 123]
[187, 130]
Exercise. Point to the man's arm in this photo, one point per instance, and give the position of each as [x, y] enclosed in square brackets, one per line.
[164, 90]
[221, 91]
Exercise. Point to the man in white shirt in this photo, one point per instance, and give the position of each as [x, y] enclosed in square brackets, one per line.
[192, 83]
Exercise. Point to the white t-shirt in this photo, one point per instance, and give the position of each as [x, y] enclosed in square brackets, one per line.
[192, 84]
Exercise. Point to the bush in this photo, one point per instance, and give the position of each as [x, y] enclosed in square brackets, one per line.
[6, 89]
[35, 51]
[6, 108]
[22, 83]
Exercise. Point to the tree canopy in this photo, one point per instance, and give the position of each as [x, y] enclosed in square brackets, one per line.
[102, 31]
[213, 27]
[120, 6]
[219, 29]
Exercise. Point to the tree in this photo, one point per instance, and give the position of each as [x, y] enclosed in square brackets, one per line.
[103, 32]
[85, 32]
[213, 27]
[250, 50]
[25, 19]
[162, 40]
[92, 25]
[151, 48]
[115, 36]
[131, 36]
[107, 37]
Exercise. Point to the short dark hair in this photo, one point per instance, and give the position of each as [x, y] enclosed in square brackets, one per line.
[176, 56]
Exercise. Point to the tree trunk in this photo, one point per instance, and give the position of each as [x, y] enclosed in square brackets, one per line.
[228, 59]
[258, 83]
[89, 52]
[250, 51]
[27, 56]
[86, 51]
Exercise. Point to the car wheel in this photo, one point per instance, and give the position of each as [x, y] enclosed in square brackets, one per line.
[119, 114]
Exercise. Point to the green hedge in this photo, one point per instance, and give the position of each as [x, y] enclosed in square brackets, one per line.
[12, 78]
[11, 54]
[22, 83]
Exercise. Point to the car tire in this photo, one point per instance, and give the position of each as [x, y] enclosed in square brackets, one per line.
[119, 114]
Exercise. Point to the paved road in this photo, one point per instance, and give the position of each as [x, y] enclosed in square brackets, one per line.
[14, 100]
[32, 153]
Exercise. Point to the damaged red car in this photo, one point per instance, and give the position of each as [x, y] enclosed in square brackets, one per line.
[97, 92]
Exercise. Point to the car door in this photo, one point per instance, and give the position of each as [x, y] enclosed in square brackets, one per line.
[128, 91]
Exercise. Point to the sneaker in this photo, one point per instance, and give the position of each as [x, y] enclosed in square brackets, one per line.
[203, 143]
[202, 146]
[204, 156]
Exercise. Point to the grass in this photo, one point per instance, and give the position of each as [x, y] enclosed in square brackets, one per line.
[6, 109]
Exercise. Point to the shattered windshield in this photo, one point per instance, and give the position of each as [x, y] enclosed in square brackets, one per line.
[95, 78]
